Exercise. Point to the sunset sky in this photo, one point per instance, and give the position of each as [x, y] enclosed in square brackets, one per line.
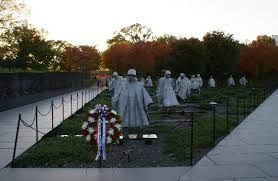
[92, 22]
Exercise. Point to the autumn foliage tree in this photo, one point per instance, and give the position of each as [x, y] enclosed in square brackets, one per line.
[82, 58]
[116, 56]
[259, 58]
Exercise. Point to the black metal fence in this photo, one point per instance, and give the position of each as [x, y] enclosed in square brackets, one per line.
[224, 118]
[88, 93]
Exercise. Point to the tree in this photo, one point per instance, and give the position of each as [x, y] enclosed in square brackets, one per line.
[58, 63]
[82, 58]
[25, 47]
[188, 56]
[264, 40]
[116, 57]
[259, 58]
[123, 56]
[161, 51]
[166, 38]
[133, 33]
[223, 52]
[10, 11]
[141, 57]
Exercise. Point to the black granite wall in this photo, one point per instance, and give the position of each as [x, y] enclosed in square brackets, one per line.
[17, 85]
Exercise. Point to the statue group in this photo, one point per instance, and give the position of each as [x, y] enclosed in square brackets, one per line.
[131, 99]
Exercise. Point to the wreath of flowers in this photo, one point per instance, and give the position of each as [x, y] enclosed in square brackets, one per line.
[113, 123]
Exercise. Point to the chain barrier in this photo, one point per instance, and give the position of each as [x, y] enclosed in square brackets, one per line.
[46, 113]
[57, 107]
[66, 101]
[30, 126]
[74, 99]
[35, 119]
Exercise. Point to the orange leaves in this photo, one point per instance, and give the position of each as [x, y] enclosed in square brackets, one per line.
[116, 56]
[82, 58]
[140, 55]
[258, 59]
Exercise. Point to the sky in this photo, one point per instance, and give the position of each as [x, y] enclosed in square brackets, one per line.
[92, 22]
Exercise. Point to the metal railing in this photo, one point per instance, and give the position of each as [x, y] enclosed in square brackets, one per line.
[237, 108]
[219, 118]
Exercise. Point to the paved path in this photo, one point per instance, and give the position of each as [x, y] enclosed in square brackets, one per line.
[27, 136]
[249, 153]
[93, 174]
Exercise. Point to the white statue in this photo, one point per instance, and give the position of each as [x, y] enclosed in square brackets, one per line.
[211, 82]
[182, 87]
[231, 81]
[116, 84]
[110, 84]
[194, 83]
[165, 91]
[200, 82]
[132, 102]
[149, 82]
[142, 80]
[189, 86]
[243, 81]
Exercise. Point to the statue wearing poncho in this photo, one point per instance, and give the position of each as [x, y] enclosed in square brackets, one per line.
[231, 81]
[132, 102]
[115, 88]
[149, 82]
[211, 82]
[199, 81]
[142, 80]
[165, 91]
[243, 81]
[116, 83]
[194, 83]
[182, 87]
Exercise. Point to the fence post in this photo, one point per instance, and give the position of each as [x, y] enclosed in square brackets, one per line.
[191, 138]
[37, 135]
[82, 99]
[250, 99]
[214, 127]
[77, 102]
[16, 137]
[89, 93]
[63, 108]
[227, 114]
[258, 96]
[254, 100]
[237, 116]
[71, 104]
[85, 95]
[244, 114]
[52, 115]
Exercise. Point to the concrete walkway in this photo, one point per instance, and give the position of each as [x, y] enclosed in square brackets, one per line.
[249, 153]
[93, 174]
[27, 136]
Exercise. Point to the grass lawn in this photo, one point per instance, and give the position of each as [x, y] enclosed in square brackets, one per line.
[172, 149]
